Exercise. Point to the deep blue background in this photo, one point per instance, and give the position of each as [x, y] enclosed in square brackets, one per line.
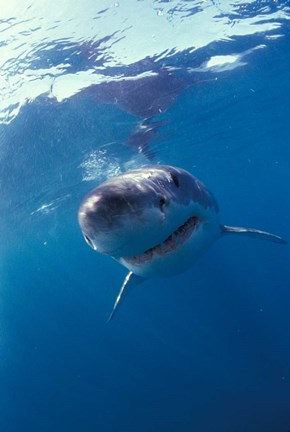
[205, 351]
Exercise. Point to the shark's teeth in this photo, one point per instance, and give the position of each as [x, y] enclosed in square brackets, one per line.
[175, 240]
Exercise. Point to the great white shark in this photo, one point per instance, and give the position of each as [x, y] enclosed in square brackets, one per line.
[155, 221]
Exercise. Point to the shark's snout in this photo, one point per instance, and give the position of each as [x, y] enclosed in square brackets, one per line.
[108, 215]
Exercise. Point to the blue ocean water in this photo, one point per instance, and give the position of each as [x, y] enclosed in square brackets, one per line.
[89, 90]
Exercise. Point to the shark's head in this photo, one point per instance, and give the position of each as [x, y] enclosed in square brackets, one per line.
[154, 220]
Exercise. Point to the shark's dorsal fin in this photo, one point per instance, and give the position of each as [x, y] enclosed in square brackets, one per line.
[251, 232]
[131, 280]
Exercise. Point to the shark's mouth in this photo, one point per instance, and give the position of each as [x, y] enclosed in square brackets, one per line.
[173, 242]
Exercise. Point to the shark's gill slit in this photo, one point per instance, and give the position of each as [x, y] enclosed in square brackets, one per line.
[89, 241]
[175, 179]
[176, 239]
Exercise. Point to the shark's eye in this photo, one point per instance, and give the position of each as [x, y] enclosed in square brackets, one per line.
[162, 202]
[175, 179]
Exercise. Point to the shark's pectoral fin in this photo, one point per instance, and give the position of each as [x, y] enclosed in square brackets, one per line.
[131, 280]
[252, 233]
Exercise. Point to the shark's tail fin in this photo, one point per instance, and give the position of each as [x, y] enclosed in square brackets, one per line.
[252, 233]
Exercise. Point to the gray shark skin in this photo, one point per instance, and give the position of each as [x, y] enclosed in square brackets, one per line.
[156, 221]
